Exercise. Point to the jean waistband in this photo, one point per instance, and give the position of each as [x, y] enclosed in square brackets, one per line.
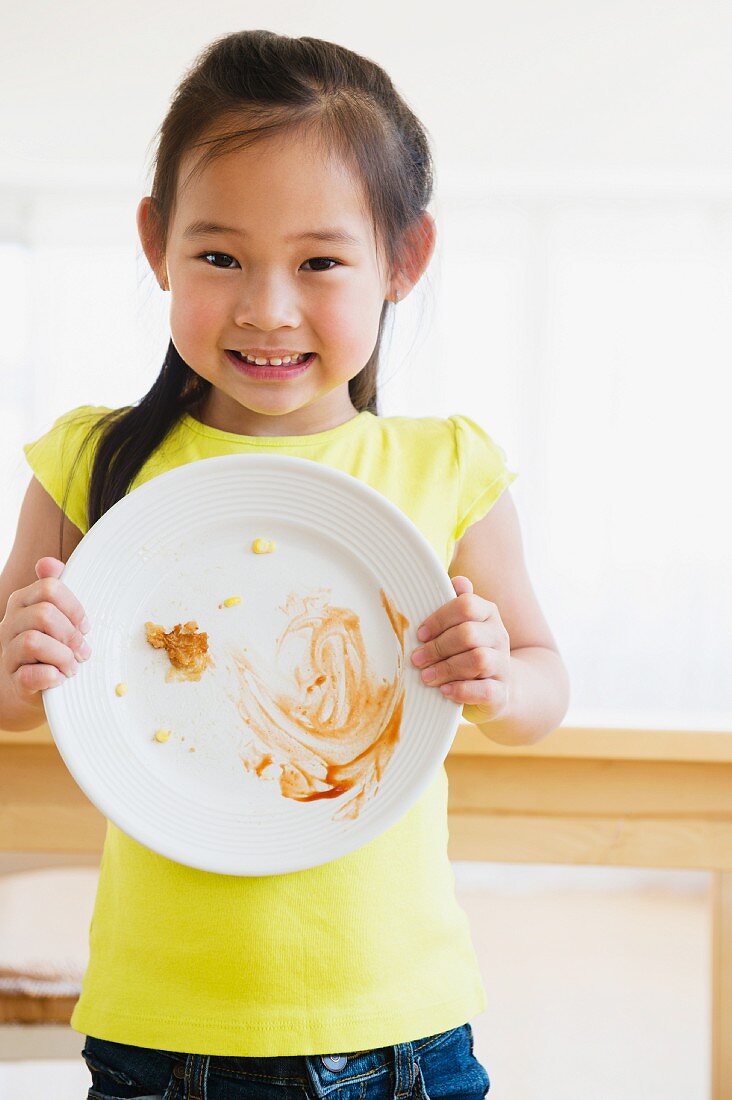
[360, 1066]
[318, 1074]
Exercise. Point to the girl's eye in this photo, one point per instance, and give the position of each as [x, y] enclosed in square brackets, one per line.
[323, 260]
[207, 254]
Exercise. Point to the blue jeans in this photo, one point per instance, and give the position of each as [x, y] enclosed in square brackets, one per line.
[437, 1066]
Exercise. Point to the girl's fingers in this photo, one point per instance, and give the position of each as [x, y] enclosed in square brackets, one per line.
[30, 679]
[454, 640]
[42, 633]
[480, 663]
[49, 567]
[49, 589]
[46, 618]
[488, 694]
[33, 647]
[466, 606]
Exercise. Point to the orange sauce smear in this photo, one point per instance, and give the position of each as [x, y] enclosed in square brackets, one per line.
[338, 730]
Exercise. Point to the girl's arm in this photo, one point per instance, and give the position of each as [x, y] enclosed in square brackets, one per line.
[490, 554]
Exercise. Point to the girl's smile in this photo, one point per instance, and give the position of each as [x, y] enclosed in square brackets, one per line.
[268, 373]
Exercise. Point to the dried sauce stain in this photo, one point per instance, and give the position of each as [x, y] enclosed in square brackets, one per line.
[338, 731]
[187, 649]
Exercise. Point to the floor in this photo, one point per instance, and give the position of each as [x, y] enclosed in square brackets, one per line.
[597, 983]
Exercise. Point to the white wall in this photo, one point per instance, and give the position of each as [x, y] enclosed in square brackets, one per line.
[534, 86]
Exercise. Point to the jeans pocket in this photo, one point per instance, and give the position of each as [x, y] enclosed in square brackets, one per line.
[478, 1063]
[118, 1072]
[450, 1067]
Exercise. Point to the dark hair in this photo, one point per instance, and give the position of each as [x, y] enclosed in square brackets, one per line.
[282, 84]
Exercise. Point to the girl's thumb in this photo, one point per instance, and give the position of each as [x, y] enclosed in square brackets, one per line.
[462, 585]
[49, 567]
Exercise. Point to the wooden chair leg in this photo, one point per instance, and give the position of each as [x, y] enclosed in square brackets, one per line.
[721, 985]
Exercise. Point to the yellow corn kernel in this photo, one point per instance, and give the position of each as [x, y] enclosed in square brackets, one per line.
[263, 546]
[162, 735]
[120, 689]
[232, 601]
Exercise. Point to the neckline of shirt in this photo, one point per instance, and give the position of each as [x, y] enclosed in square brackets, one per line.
[273, 440]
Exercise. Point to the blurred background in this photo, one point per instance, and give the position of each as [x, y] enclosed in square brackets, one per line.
[577, 306]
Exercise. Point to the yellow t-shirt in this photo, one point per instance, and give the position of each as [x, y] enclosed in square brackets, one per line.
[369, 950]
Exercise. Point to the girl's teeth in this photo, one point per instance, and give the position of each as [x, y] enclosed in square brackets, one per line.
[276, 362]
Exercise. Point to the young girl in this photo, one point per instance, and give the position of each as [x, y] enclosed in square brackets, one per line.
[287, 214]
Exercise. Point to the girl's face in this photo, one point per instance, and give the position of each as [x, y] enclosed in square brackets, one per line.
[265, 282]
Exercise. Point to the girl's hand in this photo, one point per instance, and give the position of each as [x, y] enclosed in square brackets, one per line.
[467, 652]
[42, 634]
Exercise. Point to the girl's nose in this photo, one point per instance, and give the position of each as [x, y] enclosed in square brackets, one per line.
[267, 305]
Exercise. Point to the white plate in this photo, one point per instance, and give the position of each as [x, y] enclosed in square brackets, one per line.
[172, 551]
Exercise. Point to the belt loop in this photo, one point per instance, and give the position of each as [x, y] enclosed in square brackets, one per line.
[404, 1066]
[195, 1077]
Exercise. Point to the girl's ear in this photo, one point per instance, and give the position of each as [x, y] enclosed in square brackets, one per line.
[150, 238]
[418, 244]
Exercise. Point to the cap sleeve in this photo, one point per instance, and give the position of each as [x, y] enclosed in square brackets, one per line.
[62, 463]
[482, 472]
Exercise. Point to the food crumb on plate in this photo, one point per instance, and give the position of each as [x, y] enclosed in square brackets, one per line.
[231, 601]
[162, 735]
[120, 689]
[187, 649]
[263, 546]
